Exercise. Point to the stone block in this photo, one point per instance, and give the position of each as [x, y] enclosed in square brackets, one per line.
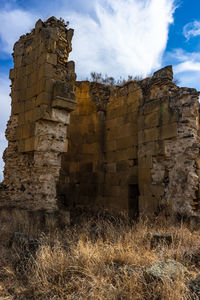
[111, 167]
[156, 105]
[17, 61]
[43, 98]
[110, 145]
[129, 153]
[126, 142]
[151, 148]
[152, 120]
[19, 132]
[144, 176]
[28, 130]
[169, 131]
[31, 92]
[151, 134]
[134, 99]
[29, 104]
[45, 85]
[112, 179]
[28, 115]
[21, 145]
[32, 79]
[46, 127]
[29, 144]
[41, 112]
[61, 116]
[141, 137]
[130, 117]
[168, 116]
[46, 70]
[18, 107]
[21, 119]
[91, 148]
[145, 162]
[29, 69]
[63, 103]
[127, 130]
[114, 123]
[122, 165]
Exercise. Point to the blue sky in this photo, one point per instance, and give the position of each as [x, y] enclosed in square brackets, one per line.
[114, 37]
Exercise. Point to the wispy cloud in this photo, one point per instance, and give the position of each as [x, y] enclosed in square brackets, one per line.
[191, 29]
[125, 37]
[117, 37]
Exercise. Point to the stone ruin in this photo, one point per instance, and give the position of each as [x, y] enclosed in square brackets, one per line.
[131, 148]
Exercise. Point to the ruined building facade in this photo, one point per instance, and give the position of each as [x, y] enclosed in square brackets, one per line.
[133, 147]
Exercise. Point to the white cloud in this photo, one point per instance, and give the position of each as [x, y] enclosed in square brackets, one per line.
[117, 37]
[13, 24]
[125, 37]
[187, 67]
[191, 29]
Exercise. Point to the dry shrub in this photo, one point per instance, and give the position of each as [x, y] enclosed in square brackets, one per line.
[102, 259]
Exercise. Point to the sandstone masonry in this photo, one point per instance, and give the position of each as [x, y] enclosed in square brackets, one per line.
[43, 95]
[133, 147]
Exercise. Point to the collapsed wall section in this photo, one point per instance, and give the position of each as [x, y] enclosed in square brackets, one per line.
[139, 151]
[42, 98]
[168, 146]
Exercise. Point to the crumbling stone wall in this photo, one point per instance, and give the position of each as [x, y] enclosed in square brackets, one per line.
[149, 160]
[168, 149]
[43, 95]
[133, 147]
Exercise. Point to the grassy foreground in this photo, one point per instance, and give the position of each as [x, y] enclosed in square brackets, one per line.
[99, 259]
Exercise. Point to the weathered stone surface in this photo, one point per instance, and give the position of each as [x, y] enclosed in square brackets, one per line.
[131, 147]
[37, 129]
[167, 270]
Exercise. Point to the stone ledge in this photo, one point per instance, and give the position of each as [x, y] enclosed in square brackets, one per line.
[63, 103]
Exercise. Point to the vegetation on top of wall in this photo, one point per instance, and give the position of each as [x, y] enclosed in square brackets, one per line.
[111, 81]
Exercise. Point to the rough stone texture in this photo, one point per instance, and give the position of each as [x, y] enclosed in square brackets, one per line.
[143, 134]
[82, 173]
[133, 147]
[43, 95]
[168, 146]
[167, 270]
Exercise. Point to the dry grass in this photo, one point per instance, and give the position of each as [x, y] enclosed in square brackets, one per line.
[100, 259]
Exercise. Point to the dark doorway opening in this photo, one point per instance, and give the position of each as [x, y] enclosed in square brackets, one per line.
[133, 201]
